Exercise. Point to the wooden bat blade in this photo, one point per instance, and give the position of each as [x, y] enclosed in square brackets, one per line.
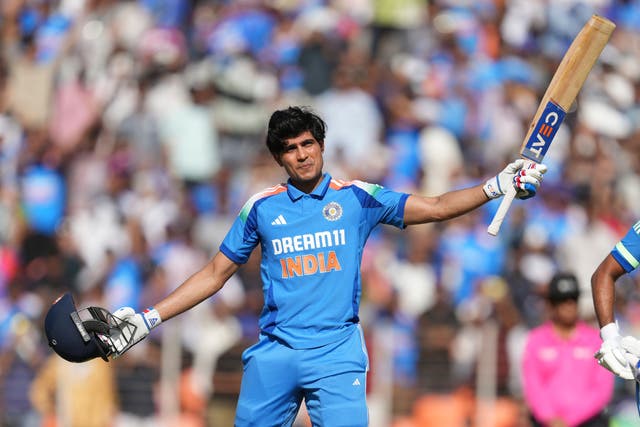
[572, 72]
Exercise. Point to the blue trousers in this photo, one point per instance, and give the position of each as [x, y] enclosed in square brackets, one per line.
[331, 379]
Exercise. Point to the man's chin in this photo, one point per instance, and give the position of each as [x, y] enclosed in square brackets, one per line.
[308, 176]
[307, 179]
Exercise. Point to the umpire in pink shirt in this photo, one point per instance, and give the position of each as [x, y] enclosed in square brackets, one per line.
[563, 384]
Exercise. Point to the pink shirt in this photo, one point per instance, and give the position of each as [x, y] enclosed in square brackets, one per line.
[562, 378]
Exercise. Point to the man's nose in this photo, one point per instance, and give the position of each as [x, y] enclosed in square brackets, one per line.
[301, 153]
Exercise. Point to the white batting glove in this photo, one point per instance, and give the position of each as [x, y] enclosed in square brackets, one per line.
[611, 354]
[631, 346]
[144, 322]
[525, 178]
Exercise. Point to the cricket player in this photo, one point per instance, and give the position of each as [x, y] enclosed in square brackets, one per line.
[312, 231]
[618, 354]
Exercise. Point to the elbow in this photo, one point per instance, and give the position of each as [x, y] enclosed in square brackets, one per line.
[438, 211]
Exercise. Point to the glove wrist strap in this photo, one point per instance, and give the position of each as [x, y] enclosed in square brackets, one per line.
[151, 317]
[491, 188]
[609, 331]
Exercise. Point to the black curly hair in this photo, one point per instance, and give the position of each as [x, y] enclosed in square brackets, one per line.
[289, 123]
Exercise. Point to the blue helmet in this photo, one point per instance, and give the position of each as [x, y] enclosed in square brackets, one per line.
[79, 335]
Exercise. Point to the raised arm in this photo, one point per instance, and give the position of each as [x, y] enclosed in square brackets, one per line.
[421, 209]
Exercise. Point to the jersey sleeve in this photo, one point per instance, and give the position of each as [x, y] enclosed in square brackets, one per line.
[627, 250]
[382, 205]
[242, 237]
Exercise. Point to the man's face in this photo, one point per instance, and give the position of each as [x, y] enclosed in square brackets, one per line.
[565, 312]
[302, 160]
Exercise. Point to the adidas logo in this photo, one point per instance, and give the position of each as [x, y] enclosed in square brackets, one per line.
[279, 221]
[356, 382]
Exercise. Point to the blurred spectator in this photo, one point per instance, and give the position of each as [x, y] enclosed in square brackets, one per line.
[30, 86]
[317, 61]
[11, 145]
[169, 13]
[41, 258]
[139, 131]
[586, 246]
[467, 239]
[354, 123]
[128, 273]
[190, 138]
[440, 158]
[137, 379]
[226, 386]
[21, 355]
[530, 268]
[488, 352]
[402, 130]
[396, 329]
[436, 332]
[563, 384]
[74, 111]
[210, 330]
[77, 395]
[412, 270]
[44, 198]
[391, 24]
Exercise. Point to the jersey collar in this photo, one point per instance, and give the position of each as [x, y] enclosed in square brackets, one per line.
[317, 193]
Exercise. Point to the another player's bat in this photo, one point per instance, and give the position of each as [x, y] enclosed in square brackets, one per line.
[562, 91]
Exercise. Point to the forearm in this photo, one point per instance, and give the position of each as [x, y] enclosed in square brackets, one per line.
[420, 210]
[198, 287]
[603, 289]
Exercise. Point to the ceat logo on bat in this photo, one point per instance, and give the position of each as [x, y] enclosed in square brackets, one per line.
[544, 132]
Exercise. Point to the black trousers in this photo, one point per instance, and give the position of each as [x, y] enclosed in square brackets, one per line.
[600, 420]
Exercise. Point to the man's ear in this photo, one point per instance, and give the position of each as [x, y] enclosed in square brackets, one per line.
[321, 146]
[276, 157]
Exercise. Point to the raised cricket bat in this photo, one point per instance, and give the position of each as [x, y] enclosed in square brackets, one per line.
[562, 91]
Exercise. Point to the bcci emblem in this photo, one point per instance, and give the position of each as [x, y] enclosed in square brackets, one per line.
[332, 212]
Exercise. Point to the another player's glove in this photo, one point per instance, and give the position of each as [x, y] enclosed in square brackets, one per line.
[144, 322]
[612, 354]
[631, 346]
[525, 179]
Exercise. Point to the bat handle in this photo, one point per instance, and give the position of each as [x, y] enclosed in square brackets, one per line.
[501, 213]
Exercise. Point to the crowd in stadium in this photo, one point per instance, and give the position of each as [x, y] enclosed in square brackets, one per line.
[132, 132]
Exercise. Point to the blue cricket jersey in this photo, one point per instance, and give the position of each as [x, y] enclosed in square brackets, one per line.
[312, 246]
[627, 250]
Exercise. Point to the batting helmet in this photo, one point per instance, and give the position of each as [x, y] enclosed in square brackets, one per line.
[81, 335]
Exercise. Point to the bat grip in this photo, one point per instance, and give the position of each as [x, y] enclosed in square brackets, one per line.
[501, 213]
